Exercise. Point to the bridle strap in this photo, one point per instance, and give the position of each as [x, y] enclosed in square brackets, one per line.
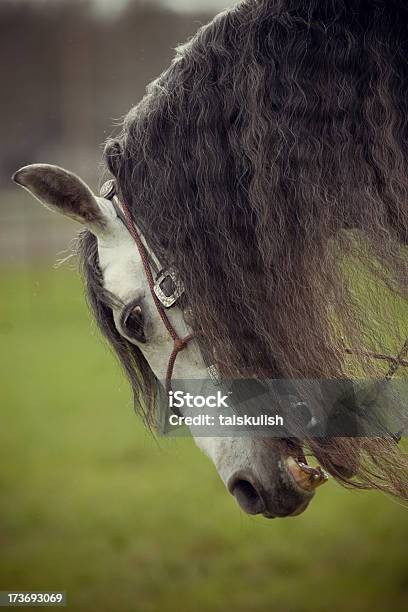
[179, 344]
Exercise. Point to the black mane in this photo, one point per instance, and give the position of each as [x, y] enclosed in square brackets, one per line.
[269, 163]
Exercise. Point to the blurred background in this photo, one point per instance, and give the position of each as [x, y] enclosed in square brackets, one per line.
[90, 503]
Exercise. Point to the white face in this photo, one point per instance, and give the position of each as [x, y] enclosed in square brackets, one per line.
[260, 473]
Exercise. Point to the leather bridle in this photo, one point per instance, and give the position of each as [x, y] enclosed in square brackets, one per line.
[161, 299]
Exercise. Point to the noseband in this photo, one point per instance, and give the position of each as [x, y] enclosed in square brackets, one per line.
[160, 297]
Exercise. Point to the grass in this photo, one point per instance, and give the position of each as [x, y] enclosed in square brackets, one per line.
[91, 504]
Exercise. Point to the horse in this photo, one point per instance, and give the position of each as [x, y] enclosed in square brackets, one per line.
[263, 165]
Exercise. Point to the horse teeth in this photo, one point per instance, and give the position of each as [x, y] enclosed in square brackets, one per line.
[306, 477]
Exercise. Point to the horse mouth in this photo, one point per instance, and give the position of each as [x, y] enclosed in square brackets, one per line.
[304, 477]
[283, 490]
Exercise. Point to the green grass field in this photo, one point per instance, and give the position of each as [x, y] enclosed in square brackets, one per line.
[91, 504]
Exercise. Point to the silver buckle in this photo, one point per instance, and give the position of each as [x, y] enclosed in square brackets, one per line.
[168, 300]
[108, 189]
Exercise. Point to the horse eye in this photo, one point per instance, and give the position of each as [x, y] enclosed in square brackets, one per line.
[132, 322]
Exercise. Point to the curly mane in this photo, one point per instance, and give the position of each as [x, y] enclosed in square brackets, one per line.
[269, 164]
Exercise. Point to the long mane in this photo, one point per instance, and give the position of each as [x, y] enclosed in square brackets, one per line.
[269, 164]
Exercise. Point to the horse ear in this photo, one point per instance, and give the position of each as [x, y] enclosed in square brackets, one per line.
[64, 192]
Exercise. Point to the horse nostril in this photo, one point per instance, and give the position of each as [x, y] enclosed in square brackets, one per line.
[247, 497]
